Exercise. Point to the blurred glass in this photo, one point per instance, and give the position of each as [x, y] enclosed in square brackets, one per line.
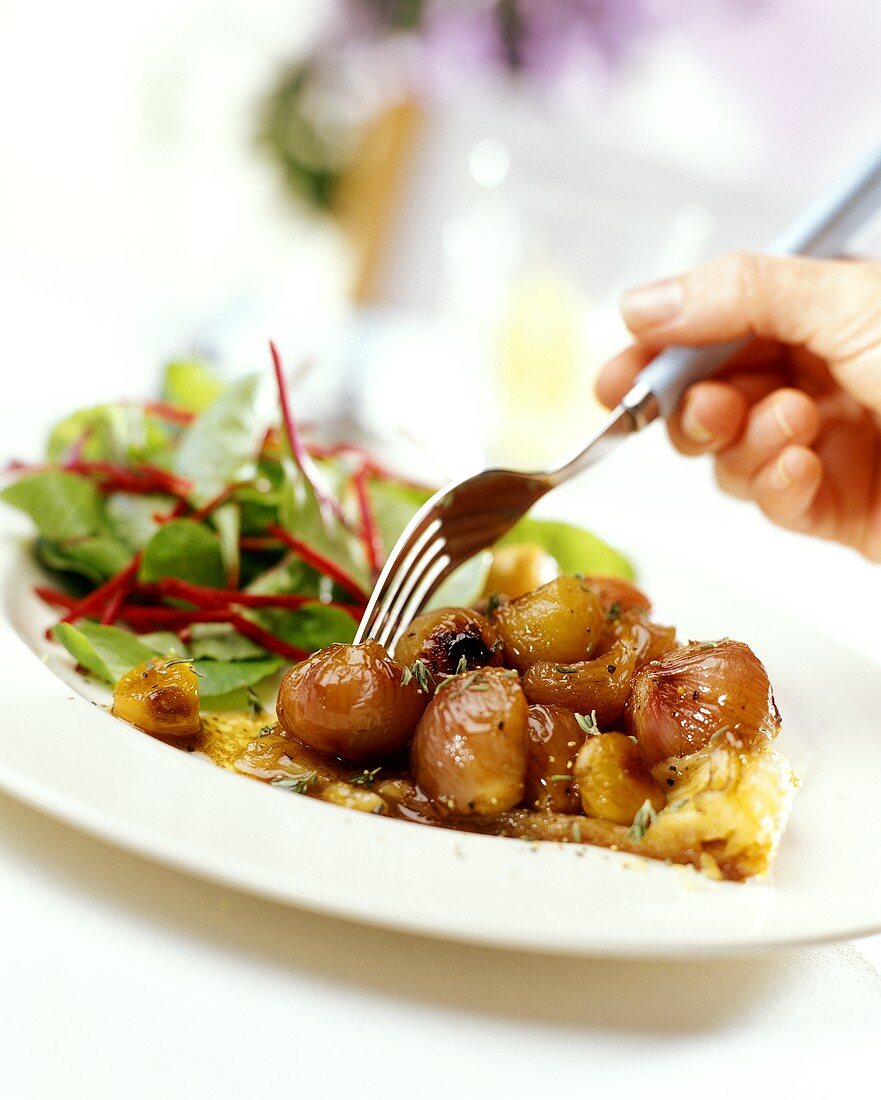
[533, 270]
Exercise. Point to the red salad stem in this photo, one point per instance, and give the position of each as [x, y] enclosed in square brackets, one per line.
[163, 411]
[54, 598]
[320, 562]
[257, 634]
[372, 538]
[94, 603]
[327, 506]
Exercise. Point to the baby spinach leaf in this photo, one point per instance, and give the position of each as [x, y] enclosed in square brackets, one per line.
[185, 549]
[130, 516]
[222, 677]
[290, 577]
[222, 643]
[301, 514]
[108, 433]
[310, 627]
[62, 505]
[227, 524]
[105, 650]
[394, 505]
[97, 558]
[218, 447]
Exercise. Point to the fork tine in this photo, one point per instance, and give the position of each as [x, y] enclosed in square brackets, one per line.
[396, 570]
[418, 598]
[409, 584]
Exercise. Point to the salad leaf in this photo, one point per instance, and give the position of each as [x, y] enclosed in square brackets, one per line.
[575, 550]
[190, 385]
[393, 507]
[107, 433]
[301, 514]
[186, 549]
[218, 446]
[290, 577]
[130, 516]
[227, 523]
[222, 677]
[105, 650]
[313, 626]
[62, 505]
[97, 558]
[166, 643]
[110, 653]
[222, 643]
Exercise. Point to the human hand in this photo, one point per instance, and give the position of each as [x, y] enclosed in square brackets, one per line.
[794, 420]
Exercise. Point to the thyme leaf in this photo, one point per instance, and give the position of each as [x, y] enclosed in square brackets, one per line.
[645, 818]
[588, 723]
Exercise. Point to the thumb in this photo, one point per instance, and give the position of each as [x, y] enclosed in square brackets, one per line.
[831, 307]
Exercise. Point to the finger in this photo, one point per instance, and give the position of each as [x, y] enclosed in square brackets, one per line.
[784, 417]
[710, 418]
[619, 374]
[787, 486]
[832, 307]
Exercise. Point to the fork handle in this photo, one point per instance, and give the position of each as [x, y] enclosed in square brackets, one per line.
[822, 231]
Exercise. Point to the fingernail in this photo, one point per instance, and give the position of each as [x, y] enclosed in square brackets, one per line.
[694, 429]
[781, 477]
[782, 419]
[652, 304]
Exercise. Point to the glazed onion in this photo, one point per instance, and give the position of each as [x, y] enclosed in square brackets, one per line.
[649, 640]
[614, 591]
[693, 693]
[613, 779]
[554, 740]
[562, 621]
[350, 701]
[160, 697]
[469, 752]
[442, 639]
[601, 685]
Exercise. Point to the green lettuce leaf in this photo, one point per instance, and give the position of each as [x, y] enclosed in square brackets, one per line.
[105, 650]
[97, 558]
[130, 516]
[220, 446]
[222, 677]
[62, 505]
[186, 549]
[190, 385]
[110, 653]
[222, 643]
[313, 626]
[108, 433]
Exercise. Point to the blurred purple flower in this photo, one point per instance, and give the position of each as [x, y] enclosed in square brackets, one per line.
[456, 40]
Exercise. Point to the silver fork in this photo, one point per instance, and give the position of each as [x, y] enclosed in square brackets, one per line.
[469, 516]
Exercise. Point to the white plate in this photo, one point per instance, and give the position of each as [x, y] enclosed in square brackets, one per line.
[62, 753]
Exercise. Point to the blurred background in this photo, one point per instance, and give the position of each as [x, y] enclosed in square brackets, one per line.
[432, 203]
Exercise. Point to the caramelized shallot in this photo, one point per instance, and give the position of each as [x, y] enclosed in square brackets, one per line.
[443, 639]
[650, 641]
[601, 685]
[699, 691]
[352, 701]
[554, 740]
[617, 593]
[469, 752]
[562, 621]
[613, 779]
